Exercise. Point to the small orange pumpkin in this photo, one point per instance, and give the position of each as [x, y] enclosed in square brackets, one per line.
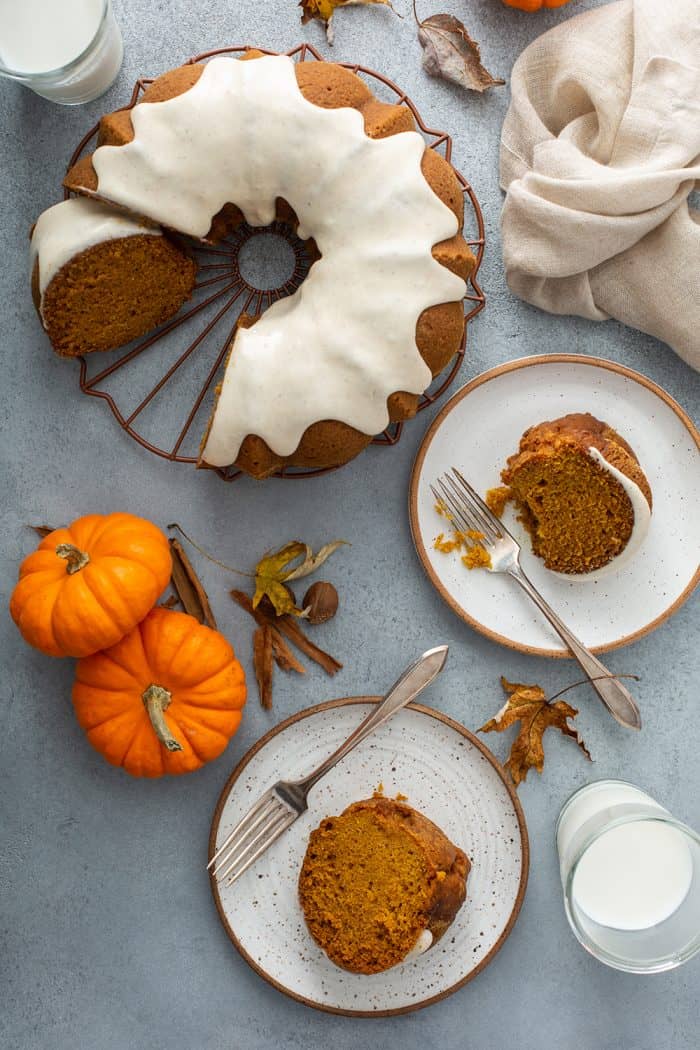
[165, 699]
[86, 586]
[534, 5]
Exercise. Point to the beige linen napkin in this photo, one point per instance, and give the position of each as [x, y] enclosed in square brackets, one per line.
[599, 151]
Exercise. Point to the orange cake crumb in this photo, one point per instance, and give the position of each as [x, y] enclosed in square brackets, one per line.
[477, 558]
[497, 498]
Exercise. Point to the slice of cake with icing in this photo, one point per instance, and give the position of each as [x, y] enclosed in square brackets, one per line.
[380, 313]
[101, 279]
[581, 494]
[380, 884]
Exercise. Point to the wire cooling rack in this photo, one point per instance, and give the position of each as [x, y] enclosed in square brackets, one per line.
[162, 399]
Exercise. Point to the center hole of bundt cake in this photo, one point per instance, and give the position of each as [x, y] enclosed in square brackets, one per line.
[266, 260]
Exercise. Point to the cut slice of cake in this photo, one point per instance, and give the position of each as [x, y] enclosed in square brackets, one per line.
[379, 884]
[580, 493]
[101, 279]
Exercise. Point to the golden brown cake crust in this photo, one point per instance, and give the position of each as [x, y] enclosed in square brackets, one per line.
[583, 431]
[113, 292]
[578, 515]
[439, 329]
[384, 941]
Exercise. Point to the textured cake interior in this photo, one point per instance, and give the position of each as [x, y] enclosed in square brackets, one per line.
[366, 905]
[114, 292]
[376, 877]
[578, 515]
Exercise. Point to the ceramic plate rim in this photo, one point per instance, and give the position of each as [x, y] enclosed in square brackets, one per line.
[524, 842]
[459, 395]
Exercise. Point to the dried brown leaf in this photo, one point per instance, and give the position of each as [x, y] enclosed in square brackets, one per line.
[449, 52]
[170, 602]
[262, 662]
[323, 10]
[275, 570]
[188, 587]
[42, 530]
[528, 705]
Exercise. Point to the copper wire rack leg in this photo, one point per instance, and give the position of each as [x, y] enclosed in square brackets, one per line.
[222, 284]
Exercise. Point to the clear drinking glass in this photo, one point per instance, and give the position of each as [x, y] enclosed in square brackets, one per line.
[69, 51]
[631, 878]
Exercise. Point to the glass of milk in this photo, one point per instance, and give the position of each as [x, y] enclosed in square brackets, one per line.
[631, 878]
[69, 51]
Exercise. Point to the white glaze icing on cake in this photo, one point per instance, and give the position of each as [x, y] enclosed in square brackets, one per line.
[423, 942]
[71, 227]
[640, 527]
[345, 341]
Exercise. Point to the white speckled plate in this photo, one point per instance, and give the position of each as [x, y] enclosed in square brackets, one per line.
[448, 775]
[476, 431]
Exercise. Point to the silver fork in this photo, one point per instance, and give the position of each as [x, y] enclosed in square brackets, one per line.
[285, 801]
[469, 512]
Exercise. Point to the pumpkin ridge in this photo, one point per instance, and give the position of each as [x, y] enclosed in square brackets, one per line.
[39, 600]
[136, 741]
[50, 542]
[115, 651]
[95, 526]
[95, 582]
[116, 758]
[88, 527]
[95, 617]
[219, 724]
[194, 649]
[184, 733]
[107, 655]
[198, 695]
[105, 697]
[142, 565]
[195, 713]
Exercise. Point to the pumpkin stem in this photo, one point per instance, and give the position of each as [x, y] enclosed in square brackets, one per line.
[157, 700]
[76, 559]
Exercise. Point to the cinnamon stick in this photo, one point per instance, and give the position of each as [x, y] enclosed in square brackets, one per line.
[284, 657]
[188, 587]
[262, 662]
[288, 626]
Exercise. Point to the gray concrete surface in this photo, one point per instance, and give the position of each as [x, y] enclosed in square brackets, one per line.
[110, 939]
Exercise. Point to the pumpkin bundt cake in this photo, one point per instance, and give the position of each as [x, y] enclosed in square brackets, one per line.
[580, 493]
[100, 279]
[380, 883]
[211, 145]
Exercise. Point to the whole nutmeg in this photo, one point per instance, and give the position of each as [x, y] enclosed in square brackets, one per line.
[321, 600]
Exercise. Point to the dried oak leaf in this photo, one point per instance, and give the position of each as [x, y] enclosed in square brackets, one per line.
[528, 705]
[449, 52]
[274, 570]
[323, 10]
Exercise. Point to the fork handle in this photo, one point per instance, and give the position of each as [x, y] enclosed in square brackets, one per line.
[616, 697]
[413, 681]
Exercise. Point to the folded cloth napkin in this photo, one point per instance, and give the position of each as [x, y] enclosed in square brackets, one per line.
[599, 151]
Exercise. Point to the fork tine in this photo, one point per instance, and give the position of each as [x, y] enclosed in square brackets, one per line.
[484, 525]
[250, 815]
[456, 510]
[252, 821]
[486, 510]
[260, 850]
[277, 822]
